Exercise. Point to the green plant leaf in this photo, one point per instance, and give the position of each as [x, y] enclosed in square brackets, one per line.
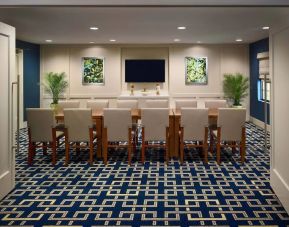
[55, 84]
[235, 87]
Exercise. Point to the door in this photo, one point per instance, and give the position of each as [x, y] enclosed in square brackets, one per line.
[7, 75]
[19, 108]
[279, 169]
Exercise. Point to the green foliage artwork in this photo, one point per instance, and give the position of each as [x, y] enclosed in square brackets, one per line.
[92, 70]
[196, 70]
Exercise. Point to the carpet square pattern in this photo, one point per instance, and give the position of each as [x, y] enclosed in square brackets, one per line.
[153, 194]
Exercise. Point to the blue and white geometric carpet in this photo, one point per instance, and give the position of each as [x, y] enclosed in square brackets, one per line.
[192, 194]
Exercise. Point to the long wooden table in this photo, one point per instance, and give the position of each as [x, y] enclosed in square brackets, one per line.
[212, 116]
[97, 116]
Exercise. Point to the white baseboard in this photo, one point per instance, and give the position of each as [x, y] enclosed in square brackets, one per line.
[280, 188]
[259, 123]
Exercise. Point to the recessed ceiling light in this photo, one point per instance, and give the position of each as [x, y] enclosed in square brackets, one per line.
[177, 40]
[48, 40]
[91, 42]
[265, 28]
[93, 28]
[182, 28]
[239, 40]
[112, 40]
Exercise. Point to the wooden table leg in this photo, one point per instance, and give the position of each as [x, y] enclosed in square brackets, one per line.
[99, 127]
[171, 136]
[176, 136]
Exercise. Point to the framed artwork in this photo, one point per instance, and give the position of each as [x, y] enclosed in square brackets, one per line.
[92, 70]
[196, 70]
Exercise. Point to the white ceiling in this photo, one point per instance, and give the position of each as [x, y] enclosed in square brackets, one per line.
[143, 25]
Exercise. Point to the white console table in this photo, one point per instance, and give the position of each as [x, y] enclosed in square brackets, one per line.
[148, 95]
[141, 98]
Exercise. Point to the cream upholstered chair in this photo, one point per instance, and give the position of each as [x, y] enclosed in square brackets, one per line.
[117, 128]
[156, 103]
[42, 129]
[68, 104]
[79, 128]
[215, 104]
[155, 127]
[97, 104]
[186, 103]
[231, 129]
[194, 127]
[132, 104]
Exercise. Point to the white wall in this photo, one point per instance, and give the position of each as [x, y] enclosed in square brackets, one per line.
[279, 178]
[68, 59]
[221, 59]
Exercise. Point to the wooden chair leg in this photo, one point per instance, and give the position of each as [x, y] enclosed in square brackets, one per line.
[44, 148]
[30, 153]
[211, 142]
[77, 148]
[182, 146]
[129, 146]
[167, 145]
[90, 146]
[219, 146]
[54, 142]
[104, 145]
[243, 145]
[182, 152]
[234, 147]
[205, 146]
[143, 147]
[66, 148]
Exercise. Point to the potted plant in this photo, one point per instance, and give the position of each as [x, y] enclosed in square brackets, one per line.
[235, 87]
[55, 84]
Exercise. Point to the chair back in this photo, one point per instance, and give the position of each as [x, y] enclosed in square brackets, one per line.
[231, 121]
[194, 121]
[40, 122]
[117, 121]
[97, 104]
[78, 122]
[68, 104]
[132, 104]
[215, 104]
[155, 121]
[186, 103]
[156, 104]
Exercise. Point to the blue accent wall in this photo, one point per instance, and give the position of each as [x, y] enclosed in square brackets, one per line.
[257, 106]
[31, 74]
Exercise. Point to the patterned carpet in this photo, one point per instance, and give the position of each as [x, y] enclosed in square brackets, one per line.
[193, 194]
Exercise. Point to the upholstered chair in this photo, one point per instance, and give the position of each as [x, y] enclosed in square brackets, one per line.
[42, 130]
[68, 104]
[97, 104]
[215, 104]
[194, 128]
[231, 131]
[155, 127]
[117, 131]
[79, 128]
[131, 104]
[186, 103]
[156, 103]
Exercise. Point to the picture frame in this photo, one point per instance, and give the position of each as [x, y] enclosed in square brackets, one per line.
[196, 70]
[93, 71]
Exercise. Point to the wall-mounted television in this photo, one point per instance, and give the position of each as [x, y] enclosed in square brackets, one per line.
[144, 70]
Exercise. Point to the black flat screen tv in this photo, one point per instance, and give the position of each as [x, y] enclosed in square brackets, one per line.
[145, 70]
